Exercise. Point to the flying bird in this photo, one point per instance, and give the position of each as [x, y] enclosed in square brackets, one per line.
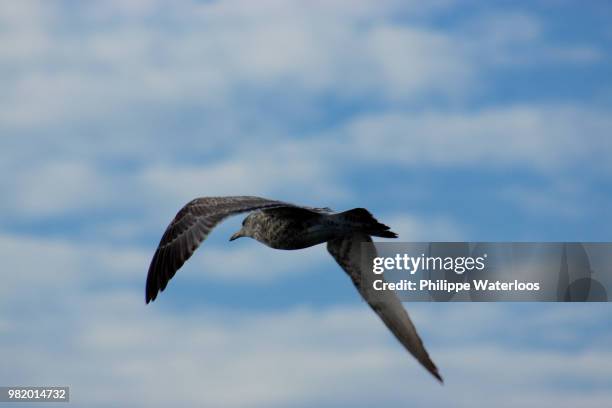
[282, 225]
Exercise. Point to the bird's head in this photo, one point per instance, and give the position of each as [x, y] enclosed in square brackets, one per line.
[246, 229]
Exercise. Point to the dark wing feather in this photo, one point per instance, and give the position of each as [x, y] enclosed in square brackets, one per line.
[297, 213]
[189, 229]
[347, 252]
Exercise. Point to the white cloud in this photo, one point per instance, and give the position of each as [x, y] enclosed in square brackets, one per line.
[37, 266]
[298, 357]
[48, 188]
[221, 47]
[518, 39]
[312, 171]
[61, 188]
[567, 198]
[227, 51]
[259, 171]
[82, 99]
[407, 62]
[60, 322]
[535, 137]
[254, 263]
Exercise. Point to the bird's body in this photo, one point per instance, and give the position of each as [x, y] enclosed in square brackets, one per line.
[281, 225]
[298, 228]
[280, 230]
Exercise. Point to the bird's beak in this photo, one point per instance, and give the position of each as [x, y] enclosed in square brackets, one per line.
[237, 235]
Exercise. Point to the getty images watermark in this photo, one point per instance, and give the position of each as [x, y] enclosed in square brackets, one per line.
[488, 271]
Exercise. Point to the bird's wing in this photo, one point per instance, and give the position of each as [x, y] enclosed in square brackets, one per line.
[189, 229]
[347, 251]
[298, 213]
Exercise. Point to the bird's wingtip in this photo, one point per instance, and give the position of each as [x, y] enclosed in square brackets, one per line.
[149, 297]
[386, 234]
[434, 371]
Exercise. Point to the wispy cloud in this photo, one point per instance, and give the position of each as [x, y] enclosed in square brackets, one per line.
[300, 357]
[527, 136]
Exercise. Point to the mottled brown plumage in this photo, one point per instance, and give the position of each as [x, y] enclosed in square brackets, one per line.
[282, 225]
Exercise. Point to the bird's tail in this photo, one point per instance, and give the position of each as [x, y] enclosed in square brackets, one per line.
[364, 221]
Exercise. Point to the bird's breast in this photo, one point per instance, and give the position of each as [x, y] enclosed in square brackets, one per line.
[286, 233]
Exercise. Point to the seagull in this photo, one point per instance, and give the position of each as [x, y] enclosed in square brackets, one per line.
[282, 225]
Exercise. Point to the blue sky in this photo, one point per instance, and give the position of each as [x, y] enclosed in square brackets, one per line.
[448, 120]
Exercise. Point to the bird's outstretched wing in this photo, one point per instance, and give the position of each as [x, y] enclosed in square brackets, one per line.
[347, 251]
[189, 229]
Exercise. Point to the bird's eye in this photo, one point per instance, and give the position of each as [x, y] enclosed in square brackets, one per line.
[243, 222]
